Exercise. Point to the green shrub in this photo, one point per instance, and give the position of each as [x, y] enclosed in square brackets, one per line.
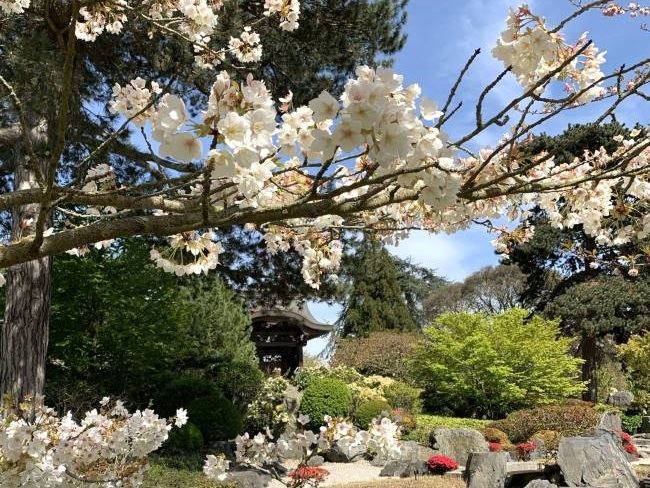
[568, 419]
[178, 391]
[488, 365]
[427, 423]
[326, 396]
[240, 382]
[216, 417]
[186, 439]
[631, 423]
[403, 396]
[369, 410]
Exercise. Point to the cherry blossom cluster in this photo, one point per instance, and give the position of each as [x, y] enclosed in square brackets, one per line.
[14, 6]
[612, 9]
[134, 99]
[108, 447]
[188, 253]
[100, 17]
[533, 51]
[288, 10]
[379, 130]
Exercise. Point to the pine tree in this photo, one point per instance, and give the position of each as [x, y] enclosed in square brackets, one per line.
[335, 35]
[563, 279]
[376, 300]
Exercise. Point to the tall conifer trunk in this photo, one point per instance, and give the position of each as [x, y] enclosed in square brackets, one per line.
[25, 331]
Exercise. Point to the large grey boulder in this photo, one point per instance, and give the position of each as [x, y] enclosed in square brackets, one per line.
[458, 444]
[344, 451]
[623, 398]
[403, 469]
[610, 421]
[541, 484]
[487, 470]
[249, 479]
[595, 461]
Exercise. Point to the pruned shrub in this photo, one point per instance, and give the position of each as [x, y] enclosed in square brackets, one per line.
[325, 396]
[439, 464]
[407, 420]
[178, 391]
[566, 419]
[403, 396]
[382, 353]
[186, 439]
[495, 435]
[369, 410]
[216, 417]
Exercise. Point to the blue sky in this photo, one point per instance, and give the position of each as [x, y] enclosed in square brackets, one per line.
[442, 34]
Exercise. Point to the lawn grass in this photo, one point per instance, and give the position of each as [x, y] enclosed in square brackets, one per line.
[426, 423]
[179, 472]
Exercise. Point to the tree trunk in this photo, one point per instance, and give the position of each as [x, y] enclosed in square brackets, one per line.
[589, 352]
[25, 331]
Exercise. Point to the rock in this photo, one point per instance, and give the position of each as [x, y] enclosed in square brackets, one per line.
[486, 470]
[541, 484]
[227, 448]
[249, 479]
[623, 398]
[595, 461]
[315, 461]
[413, 451]
[340, 453]
[403, 469]
[610, 421]
[458, 444]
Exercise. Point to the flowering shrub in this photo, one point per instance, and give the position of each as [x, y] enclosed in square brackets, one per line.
[307, 476]
[495, 446]
[269, 410]
[108, 446]
[525, 449]
[631, 449]
[440, 464]
[628, 444]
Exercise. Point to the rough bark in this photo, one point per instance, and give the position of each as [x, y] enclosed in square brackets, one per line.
[25, 330]
[589, 353]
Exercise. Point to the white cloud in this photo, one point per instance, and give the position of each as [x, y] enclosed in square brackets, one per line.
[452, 256]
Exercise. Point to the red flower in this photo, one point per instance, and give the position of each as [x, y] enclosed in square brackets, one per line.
[308, 473]
[625, 437]
[525, 448]
[631, 449]
[440, 464]
[495, 446]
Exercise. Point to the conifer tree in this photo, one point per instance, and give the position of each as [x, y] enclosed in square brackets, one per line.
[376, 300]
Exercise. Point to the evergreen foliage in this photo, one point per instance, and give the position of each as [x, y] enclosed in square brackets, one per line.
[591, 301]
[376, 300]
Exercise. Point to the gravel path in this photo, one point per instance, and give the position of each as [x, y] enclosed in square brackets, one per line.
[343, 473]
